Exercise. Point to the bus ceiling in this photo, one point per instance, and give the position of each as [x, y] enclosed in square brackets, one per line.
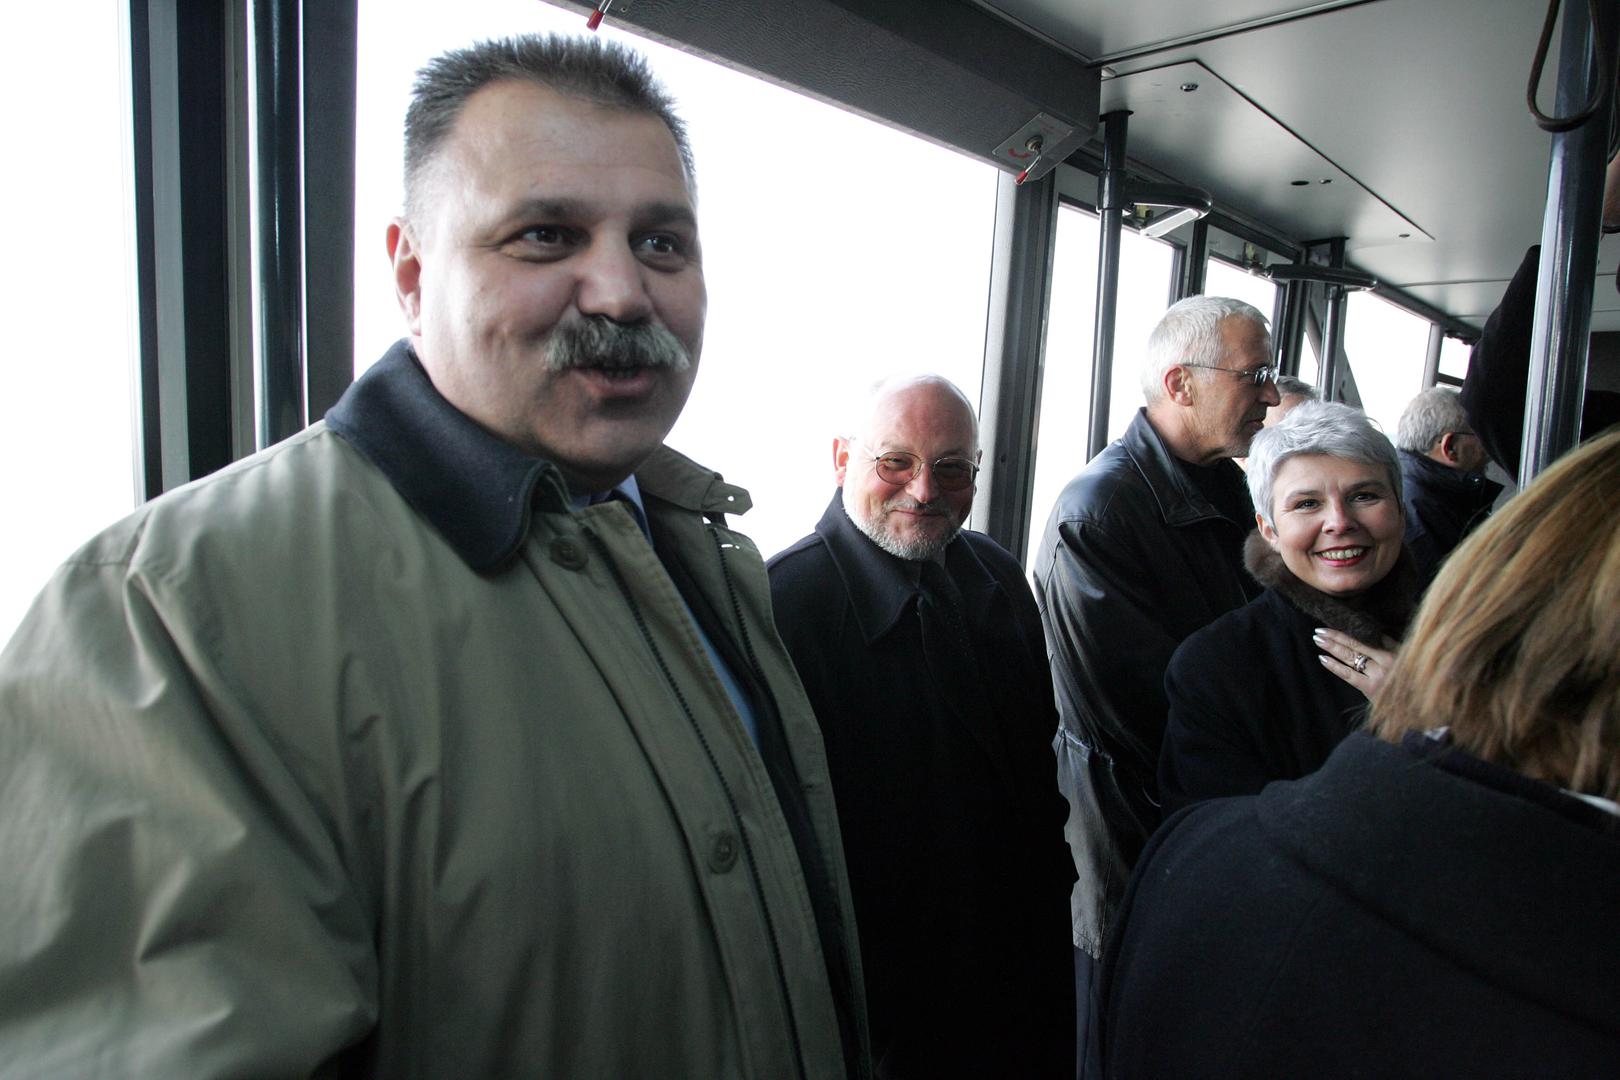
[1399, 126]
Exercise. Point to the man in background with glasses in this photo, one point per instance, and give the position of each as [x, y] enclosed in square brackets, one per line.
[1143, 547]
[921, 651]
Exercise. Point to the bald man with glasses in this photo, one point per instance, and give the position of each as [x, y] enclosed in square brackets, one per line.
[921, 652]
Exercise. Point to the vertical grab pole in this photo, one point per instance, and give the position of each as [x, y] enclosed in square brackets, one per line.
[280, 220]
[1194, 262]
[1287, 337]
[1333, 327]
[1569, 241]
[1110, 201]
[1328, 378]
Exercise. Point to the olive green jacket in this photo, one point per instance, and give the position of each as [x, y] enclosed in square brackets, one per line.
[287, 788]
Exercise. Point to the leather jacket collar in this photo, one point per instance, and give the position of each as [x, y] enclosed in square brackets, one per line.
[1180, 501]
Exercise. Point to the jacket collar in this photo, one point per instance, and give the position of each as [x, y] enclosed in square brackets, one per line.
[1180, 501]
[1472, 490]
[477, 490]
[880, 586]
[1382, 611]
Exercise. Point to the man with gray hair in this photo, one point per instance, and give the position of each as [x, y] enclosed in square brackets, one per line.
[1290, 392]
[1141, 549]
[1443, 476]
[920, 649]
[452, 735]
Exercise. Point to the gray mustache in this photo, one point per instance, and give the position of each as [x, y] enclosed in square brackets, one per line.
[596, 342]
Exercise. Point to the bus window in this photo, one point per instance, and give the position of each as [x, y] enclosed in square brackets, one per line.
[1060, 447]
[1386, 347]
[66, 410]
[1144, 293]
[1310, 364]
[1144, 290]
[836, 250]
[1454, 354]
[1221, 278]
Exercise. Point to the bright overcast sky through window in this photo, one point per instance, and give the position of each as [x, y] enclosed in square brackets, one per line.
[836, 250]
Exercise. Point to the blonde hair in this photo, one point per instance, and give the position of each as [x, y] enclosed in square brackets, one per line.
[1517, 646]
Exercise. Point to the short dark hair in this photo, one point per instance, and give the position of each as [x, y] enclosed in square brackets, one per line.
[601, 72]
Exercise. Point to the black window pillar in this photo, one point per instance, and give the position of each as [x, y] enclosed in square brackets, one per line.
[186, 108]
[1014, 349]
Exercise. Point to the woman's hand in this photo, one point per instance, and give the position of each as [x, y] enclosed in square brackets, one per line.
[1361, 665]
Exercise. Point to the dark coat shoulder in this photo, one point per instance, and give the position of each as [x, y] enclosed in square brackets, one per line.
[1251, 703]
[1391, 915]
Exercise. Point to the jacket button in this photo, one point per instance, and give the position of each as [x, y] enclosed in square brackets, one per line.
[723, 852]
[567, 554]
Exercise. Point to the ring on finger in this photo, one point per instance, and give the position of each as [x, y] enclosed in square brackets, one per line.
[1360, 663]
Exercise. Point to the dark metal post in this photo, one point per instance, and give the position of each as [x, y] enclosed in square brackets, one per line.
[1431, 359]
[1333, 327]
[1194, 261]
[1110, 196]
[329, 34]
[149, 381]
[1014, 347]
[1332, 335]
[1569, 241]
[276, 134]
[1287, 337]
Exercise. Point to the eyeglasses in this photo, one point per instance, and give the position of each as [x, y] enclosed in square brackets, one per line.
[1257, 376]
[899, 468]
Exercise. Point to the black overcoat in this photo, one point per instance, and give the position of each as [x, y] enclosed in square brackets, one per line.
[1443, 505]
[947, 797]
[1250, 701]
[1405, 911]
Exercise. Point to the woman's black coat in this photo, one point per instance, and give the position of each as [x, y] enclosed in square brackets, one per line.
[1405, 911]
[1250, 701]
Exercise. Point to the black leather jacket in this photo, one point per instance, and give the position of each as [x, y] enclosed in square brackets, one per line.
[1133, 559]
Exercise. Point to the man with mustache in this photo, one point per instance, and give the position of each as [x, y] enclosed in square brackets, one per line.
[1143, 547]
[920, 648]
[451, 736]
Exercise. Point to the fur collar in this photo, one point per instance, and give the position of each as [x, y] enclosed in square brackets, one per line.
[1382, 611]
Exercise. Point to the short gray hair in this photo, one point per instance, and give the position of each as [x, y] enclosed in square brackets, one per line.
[1428, 417]
[589, 69]
[1318, 427]
[1190, 333]
[1288, 386]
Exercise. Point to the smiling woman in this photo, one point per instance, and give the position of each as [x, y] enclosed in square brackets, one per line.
[1260, 694]
[1335, 522]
